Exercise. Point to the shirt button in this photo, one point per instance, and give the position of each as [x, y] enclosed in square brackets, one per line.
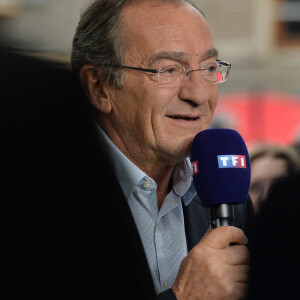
[147, 184]
[166, 285]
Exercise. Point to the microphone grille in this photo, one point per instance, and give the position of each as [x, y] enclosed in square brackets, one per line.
[221, 167]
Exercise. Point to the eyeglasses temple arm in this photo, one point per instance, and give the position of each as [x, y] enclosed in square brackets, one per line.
[131, 68]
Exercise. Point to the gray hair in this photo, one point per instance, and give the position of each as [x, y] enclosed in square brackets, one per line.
[97, 40]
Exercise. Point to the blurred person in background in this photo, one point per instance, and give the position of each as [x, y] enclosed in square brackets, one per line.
[274, 250]
[100, 201]
[273, 245]
[268, 162]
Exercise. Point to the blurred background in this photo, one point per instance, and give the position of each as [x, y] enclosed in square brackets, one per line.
[261, 38]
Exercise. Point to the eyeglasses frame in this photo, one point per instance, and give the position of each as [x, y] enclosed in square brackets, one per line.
[224, 63]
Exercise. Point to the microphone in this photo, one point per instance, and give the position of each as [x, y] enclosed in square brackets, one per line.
[221, 172]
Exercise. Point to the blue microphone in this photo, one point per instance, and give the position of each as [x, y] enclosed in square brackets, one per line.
[221, 172]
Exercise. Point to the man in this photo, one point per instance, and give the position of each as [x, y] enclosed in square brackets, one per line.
[119, 215]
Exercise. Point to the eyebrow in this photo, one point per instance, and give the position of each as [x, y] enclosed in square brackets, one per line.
[176, 56]
[210, 53]
[182, 56]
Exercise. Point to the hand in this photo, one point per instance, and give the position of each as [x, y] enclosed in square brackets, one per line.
[212, 270]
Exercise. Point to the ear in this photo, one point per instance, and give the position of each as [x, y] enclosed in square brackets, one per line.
[93, 81]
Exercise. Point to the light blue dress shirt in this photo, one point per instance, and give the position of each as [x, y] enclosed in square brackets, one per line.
[162, 231]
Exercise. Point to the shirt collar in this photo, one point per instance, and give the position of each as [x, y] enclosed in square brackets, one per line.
[129, 175]
[183, 181]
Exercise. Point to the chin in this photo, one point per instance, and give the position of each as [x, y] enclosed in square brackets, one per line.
[183, 149]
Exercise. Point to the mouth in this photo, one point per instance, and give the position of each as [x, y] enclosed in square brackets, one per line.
[184, 117]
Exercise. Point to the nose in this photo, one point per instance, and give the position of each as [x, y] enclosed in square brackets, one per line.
[196, 90]
[190, 72]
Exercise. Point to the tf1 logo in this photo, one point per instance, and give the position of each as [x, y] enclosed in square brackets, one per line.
[225, 161]
[232, 161]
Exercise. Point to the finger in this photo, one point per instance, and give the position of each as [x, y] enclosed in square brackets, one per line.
[240, 273]
[236, 255]
[240, 290]
[221, 237]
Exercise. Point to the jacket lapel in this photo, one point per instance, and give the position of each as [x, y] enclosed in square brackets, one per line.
[196, 218]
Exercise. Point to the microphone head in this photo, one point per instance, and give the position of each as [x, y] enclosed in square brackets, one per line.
[221, 167]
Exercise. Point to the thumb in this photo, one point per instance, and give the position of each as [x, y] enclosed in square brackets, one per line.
[221, 237]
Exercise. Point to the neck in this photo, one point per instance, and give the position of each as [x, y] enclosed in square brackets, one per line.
[158, 169]
[163, 179]
[161, 174]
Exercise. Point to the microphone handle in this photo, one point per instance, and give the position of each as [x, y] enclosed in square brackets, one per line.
[222, 215]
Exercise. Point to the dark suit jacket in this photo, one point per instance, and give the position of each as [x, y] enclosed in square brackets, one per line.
[68, 232]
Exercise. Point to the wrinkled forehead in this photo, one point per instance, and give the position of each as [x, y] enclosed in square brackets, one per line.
[151, 14]
[164, 28]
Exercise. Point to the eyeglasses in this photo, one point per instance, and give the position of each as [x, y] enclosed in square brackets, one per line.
[214, 72]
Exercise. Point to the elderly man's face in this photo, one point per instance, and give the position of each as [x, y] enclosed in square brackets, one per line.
[152, 121]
